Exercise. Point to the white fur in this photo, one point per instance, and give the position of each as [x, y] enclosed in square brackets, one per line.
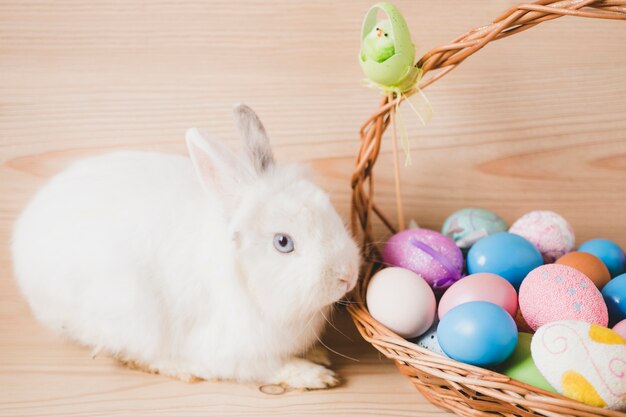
[143, 256]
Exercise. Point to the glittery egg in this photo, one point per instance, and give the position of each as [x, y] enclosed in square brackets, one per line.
[430, 254]
[548, 231]
[558, 292]
[468, 225]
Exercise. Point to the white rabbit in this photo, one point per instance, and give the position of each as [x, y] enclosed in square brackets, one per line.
[214, 267]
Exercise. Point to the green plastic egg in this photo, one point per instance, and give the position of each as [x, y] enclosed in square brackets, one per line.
[387, 52]
[378, 44]
[520, 365]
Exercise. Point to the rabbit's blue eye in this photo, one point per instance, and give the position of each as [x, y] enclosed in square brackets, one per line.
[283, 243]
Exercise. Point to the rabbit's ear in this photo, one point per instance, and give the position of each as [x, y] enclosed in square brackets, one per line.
[217, 167]
[254, 138]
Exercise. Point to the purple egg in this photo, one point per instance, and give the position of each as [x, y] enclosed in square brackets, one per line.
[428, 253]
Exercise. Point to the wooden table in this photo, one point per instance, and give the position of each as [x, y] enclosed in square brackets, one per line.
[43, 375]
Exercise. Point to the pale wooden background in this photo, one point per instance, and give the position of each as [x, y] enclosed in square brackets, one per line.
[536, 121]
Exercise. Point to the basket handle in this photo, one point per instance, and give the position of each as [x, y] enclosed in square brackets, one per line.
[446, 58]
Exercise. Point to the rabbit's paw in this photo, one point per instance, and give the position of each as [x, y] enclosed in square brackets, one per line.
[303, 374]
[318, 354]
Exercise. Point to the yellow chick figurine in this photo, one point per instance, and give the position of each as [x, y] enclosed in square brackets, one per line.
[378, 45]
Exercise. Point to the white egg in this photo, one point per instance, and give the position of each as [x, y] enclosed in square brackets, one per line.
[402, 301]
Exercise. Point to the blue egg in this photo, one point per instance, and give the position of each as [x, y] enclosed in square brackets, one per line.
[614, 294]
[505, 254]
[478, 333]
[609, 252]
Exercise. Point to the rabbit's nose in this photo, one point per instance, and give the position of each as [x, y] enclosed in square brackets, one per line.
[349, 280]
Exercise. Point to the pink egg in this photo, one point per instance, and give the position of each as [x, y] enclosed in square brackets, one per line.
[551, 234]
[620, 328]
[558, 292]
[401, 301]
[480, 287]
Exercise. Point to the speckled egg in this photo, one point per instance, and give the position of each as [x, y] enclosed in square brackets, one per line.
[589, 265]
[401, 301]
[468, 225]
[558, 292]
[433, 256]
[582, 361]
[548, 231]
[429, 340]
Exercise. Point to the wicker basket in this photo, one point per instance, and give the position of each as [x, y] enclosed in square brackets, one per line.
[463, 389]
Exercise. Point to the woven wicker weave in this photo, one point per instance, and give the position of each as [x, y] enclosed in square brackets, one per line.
[463, 389]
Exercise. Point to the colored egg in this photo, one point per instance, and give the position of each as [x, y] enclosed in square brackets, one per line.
[429, 340]
[614, 294]
[609, 252]
[478, 333]
[433, 256]
[468, 225]
[548, 231]
[401, 301]
[582, 361]
[505, 254]
[589, 265]
[480, 287]
[520, 365]
[558, 292]
[620, 328]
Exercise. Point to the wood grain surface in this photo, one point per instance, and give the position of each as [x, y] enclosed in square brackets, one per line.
[535, 121]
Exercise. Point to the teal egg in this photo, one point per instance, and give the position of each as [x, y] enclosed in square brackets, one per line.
[468, 225]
